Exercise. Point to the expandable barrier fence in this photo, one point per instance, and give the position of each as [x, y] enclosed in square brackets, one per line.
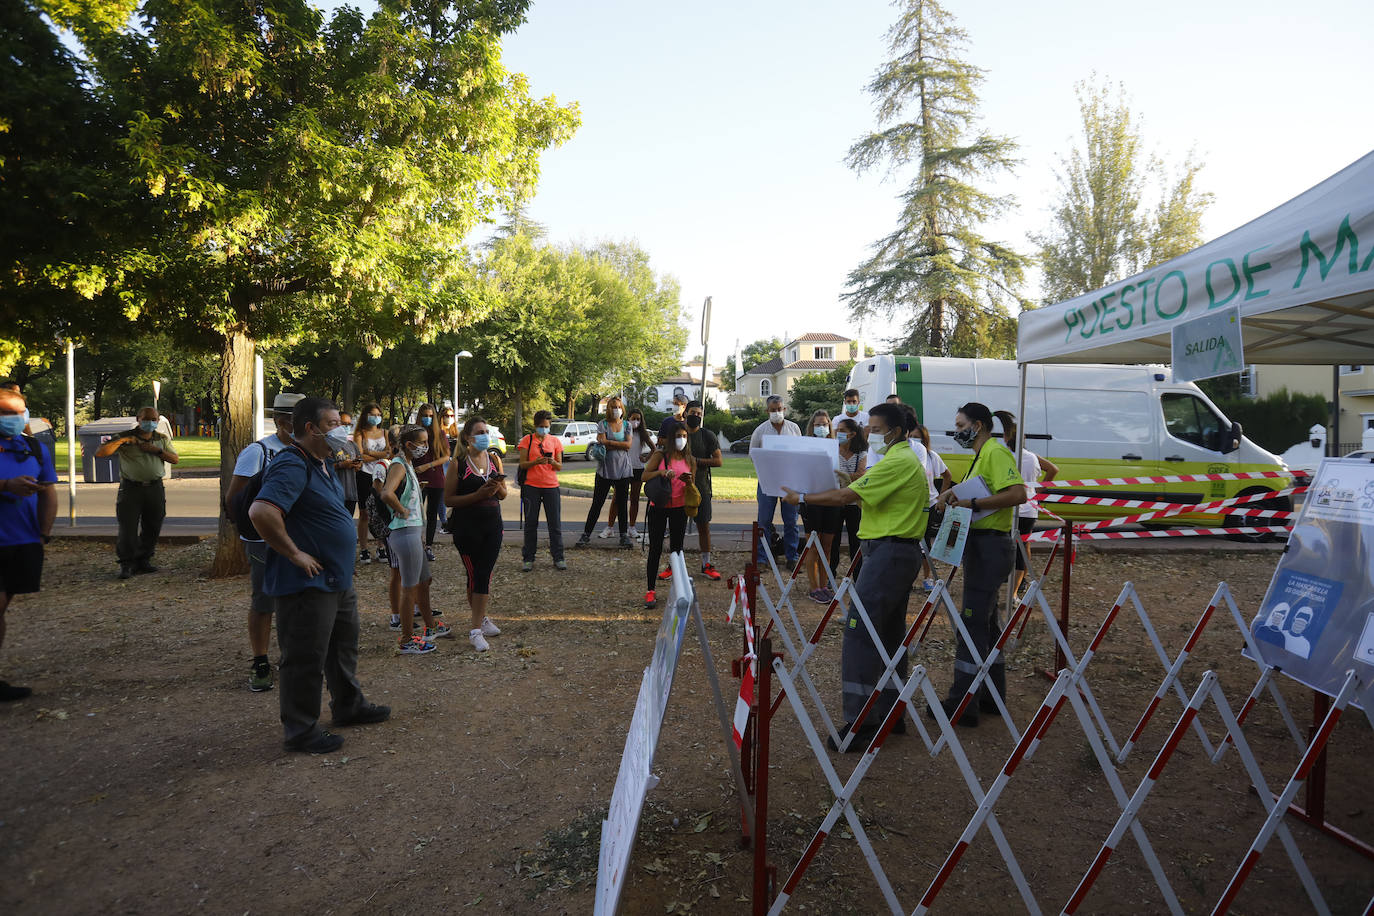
[764, 593]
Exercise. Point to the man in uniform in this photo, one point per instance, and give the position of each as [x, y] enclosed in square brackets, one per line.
[141, 505]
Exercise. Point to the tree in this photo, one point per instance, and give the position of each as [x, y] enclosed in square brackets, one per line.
[818, 391]
[1102, 229]
[951, 284]
[755, 354]
[311, 178]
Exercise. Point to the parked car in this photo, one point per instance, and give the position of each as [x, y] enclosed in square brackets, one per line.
[740, 446]
[577, 435]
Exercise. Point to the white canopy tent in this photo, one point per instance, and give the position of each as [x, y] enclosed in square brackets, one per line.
[1300, 275]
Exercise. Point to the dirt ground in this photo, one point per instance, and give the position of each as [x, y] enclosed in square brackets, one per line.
[144, 777]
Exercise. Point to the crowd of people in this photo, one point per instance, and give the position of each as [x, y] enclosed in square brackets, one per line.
[316, 497]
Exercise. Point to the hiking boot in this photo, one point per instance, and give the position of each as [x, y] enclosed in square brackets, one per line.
[323, 743]
[364, 557]
[367, 714]
[709, 571]
[9, 693]
[261, 677]
[416, 646]
[478, 641]
[489, 628]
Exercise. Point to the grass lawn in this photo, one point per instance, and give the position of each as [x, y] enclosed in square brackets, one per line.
[195, 452]
[733, 480]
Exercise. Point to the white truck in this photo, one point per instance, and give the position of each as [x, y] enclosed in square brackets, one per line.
[1093, 421]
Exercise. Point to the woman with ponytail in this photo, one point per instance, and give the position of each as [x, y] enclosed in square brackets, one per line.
[1032, 467]
[988, 553]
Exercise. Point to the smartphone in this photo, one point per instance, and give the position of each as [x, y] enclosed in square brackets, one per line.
[497, 477]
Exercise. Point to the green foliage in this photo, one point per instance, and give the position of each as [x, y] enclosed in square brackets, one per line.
[818, 391]
[1102, 229]
[760, 351]
[952, 285]
[1279, 421]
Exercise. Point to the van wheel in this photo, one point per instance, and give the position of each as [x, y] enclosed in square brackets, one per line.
[1280, 504]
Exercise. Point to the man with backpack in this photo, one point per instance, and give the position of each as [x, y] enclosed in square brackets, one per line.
[248, 473]
[312, 542]
[28, 506]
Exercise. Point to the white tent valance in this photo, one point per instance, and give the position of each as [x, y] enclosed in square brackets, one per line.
[1300, 274]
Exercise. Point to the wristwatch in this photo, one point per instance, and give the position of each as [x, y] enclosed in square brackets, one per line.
[973, 504]
[801, 499]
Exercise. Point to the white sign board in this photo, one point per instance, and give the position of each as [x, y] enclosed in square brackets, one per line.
[1208, 346]
[948, 545]
[1314, 616]
[811, 444]
[803, 471]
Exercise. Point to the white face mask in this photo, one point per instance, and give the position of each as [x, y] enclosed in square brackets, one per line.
[420, 451]
[339, 433]
[776, 416]
[681, 443]
[634, 424]
[615, 413]
[879, 446]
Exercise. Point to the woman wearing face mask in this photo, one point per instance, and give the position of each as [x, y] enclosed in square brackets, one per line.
[541, 458]
[641, 447]
[937, 474]
[474, 487]
[431, 471]
[673, 461]
[347, 460]
[371, 440]
[401, 491]
[988, 553]
[826, 521]
[613, 472]
[853, 463]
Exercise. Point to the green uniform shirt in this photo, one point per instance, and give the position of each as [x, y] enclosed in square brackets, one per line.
[997, 466]
[140, 466]
[893, 494]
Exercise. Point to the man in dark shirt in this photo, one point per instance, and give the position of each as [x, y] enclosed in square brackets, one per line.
[705, 448]
[679, 405]
[300, 514]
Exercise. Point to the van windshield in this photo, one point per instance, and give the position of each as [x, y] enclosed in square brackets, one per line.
[560, 428]
[1188, 418]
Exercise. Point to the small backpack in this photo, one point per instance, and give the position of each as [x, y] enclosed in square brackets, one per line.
[237, 510]
[378, 515]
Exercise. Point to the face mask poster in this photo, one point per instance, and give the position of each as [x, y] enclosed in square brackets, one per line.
[1318, 613]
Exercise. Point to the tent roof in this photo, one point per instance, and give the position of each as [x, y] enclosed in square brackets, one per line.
[1300, 274]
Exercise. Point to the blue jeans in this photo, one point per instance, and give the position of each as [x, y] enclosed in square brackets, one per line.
[789, 524]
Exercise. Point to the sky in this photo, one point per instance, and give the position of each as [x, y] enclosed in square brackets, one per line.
[714, 133]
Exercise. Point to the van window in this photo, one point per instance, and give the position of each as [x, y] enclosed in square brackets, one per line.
[1105, 416]
[1186, 417]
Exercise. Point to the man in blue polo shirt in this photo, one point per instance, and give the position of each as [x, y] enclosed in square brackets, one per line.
[300, 514]
[28, 505]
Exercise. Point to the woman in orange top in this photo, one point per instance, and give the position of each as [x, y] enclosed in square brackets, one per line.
[671, 460]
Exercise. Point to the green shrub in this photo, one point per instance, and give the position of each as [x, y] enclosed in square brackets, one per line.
[1278, 421]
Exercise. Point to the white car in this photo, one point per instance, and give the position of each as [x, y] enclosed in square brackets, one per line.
[576, 435]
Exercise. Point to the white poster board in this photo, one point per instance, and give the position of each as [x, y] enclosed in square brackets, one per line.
[1320, 600]
[802, 471]
[948, 546]
[809, 444]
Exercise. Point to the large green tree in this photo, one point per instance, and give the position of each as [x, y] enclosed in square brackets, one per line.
[312, 177]
[949, 284]
[1103, 227]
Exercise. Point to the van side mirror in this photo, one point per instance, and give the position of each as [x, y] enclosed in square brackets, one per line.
[1233, 439]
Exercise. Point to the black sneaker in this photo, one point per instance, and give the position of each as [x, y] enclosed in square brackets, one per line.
[126, 570]
[9, 693]
[862, 739]
[429, 554]
[323, 743]
[367, 714]
[143, 566]
[968, 720]
[583, 541]
[261, 677]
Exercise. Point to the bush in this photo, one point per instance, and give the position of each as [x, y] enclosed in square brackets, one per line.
[1279, 421]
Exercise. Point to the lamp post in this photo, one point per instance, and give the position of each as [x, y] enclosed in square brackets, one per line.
[461, 354]
[705, 338]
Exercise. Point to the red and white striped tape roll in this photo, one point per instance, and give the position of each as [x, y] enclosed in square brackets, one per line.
[1180, 478]
[1050, 534]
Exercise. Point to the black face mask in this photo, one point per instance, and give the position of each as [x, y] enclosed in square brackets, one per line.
[693, 421]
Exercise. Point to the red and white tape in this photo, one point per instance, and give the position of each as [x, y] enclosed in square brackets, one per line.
[1179, 478]
[1050, 534]
[746, 683]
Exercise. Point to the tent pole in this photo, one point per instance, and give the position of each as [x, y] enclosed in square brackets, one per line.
[1017, 448]
[1333, 448]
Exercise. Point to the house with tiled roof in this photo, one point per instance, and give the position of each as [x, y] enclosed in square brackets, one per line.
[811, 352]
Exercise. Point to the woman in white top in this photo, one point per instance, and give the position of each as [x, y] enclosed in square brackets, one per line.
[642, 448]
[1032, 466]
[938, 477]
[405, 542]
[853, 463]
[370, 437]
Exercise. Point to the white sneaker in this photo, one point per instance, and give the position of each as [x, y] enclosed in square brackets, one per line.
[489, 628]
[928, 584]
[479, 642]
[605, 532]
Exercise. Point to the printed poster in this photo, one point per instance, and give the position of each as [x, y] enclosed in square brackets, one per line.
[948, 546]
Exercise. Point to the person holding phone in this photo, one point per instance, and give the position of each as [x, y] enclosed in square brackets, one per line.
[473, 488]
[541, 458]
[640, 450]
[431, 471]
[371, 440]
[613, 473]
[401, 493]
[671, 460]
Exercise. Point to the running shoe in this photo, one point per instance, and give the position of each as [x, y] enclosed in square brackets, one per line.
[560, 564]
[818, 595]
[928, 584]
[583, 541]
[478, 641]
[429, 554]
[489, 628]
[383, 556]
[605, 533]
[626, 541]
[440, 630]
[709, 571]
[666, 574]
[396, 622]
[527, 566]
[650, 599]
[416, 646]
[261, 677]
[364, 557]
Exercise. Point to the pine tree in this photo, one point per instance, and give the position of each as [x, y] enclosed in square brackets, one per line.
[1102, 229]
[950, 283]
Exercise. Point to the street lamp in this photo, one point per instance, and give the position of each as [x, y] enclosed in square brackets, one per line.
[461, 354]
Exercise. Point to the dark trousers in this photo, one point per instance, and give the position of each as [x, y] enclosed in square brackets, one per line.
[317, 633]
[531, 499]
[434, 505]
[600, 488]
[139, 511]
[988, 561]
[884, 585]
[851, 515]
[675, 522]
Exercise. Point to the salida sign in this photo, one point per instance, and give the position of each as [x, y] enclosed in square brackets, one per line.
[1208, 346]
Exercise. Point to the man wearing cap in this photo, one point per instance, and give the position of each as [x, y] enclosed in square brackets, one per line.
[141, 505]
[28, 505]
[250, 461]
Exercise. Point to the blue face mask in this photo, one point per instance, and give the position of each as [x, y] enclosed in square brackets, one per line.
[542, 430]
[840, 437]
[11, 425]
[374, 420]
[821, 431]
[426, 421]
[148, 426]
[482, 441]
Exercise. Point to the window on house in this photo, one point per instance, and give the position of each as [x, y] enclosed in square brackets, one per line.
[765, 388]
[825, 353]
[793, 355]
[1351, 370]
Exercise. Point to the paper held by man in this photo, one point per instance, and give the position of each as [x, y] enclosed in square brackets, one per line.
[803, 464]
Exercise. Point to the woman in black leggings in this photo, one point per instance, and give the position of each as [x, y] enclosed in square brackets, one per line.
[474, 487]
[674, 462]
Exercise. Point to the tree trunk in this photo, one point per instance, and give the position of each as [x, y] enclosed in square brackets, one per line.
[235, 432]
[97, 394]
[572, 403]
[346, 401]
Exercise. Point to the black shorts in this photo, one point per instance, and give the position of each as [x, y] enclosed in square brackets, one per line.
[21, 568]
[1025, 524]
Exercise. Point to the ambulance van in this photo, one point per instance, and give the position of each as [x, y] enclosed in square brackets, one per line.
[1093, 421]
